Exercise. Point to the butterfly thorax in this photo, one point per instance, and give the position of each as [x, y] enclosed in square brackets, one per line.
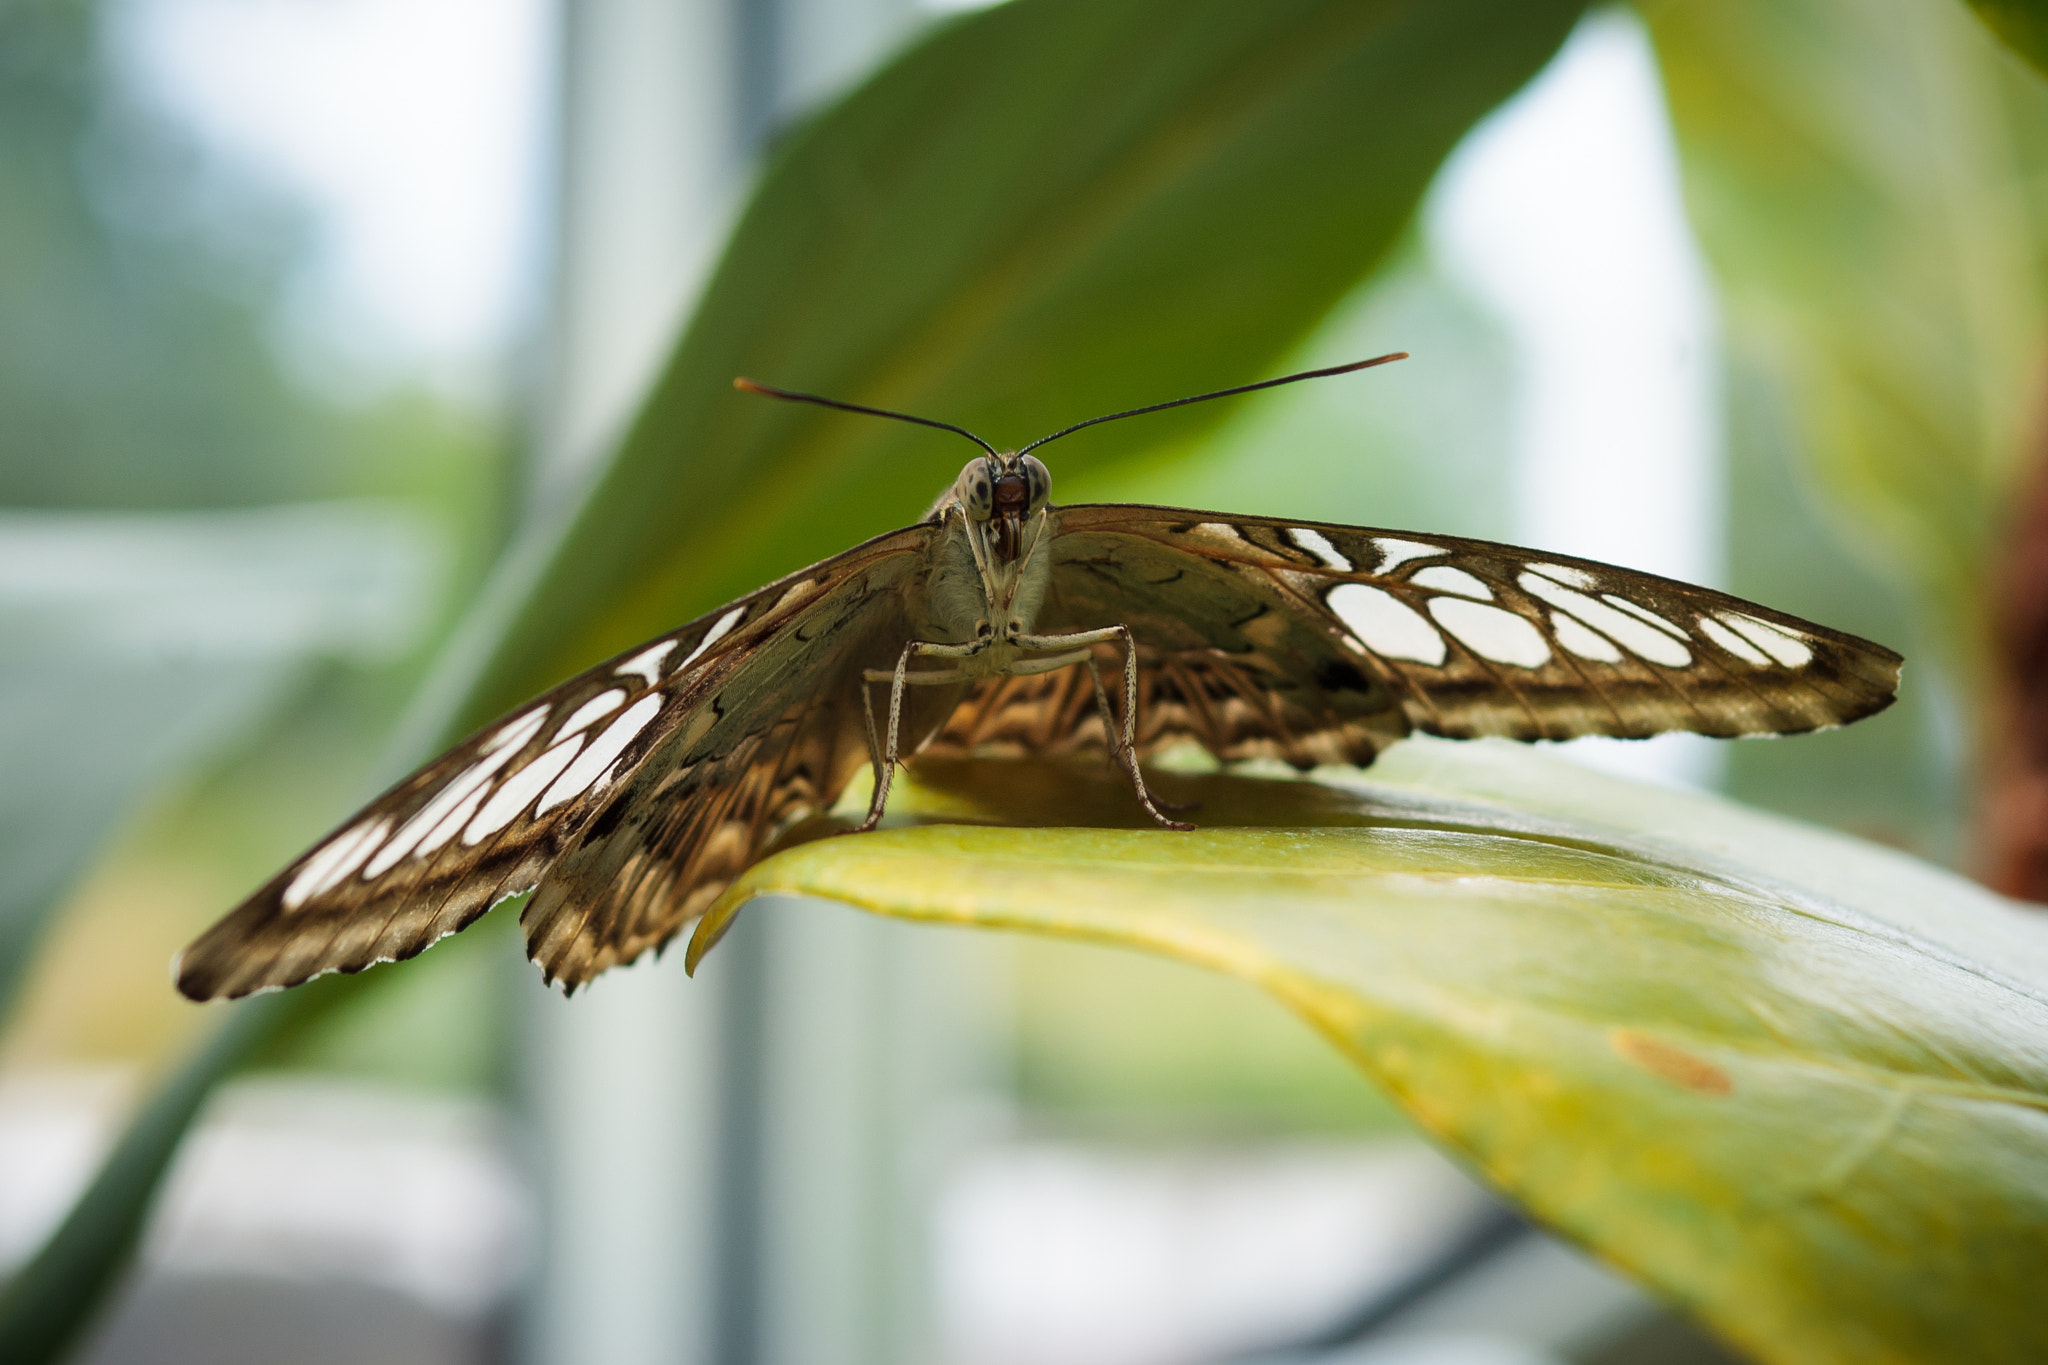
[976, 594]
[990, 562]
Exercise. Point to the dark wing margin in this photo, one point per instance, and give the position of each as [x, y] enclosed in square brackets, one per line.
[752, 710]
[1313, 642]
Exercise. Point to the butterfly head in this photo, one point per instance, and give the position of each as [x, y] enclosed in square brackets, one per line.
[999, 493]
[1002, 486]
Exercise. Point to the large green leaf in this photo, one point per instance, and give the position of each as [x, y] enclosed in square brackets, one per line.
[1047, 210]
[1797, 1083]
[1050, 210]
[1870, 181]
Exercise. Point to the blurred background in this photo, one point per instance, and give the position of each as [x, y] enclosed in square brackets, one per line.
[308, 306]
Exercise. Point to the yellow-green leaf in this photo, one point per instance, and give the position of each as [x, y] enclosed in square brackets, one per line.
[1796, 1083]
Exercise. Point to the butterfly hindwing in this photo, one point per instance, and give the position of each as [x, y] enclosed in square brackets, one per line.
[767, 748]
[562, 787]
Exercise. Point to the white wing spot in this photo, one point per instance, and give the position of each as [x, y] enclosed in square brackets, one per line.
[335, 861]
[1386, 624]
[713, 636]
[1576, 578]
[647, 663]
[1394, 553]
[515, 732]
[598, 707]
[1645, 615]
[1492, 633]
[1781, 644]
[1223, 528]
[1587, 644]
[513, 737]
[798, 591]
[1637, 637]
[592, 763]
[1444, 578]
[457, 818]
[429, 816]
[1733, 643]
[1641, 640]
[516, 793]
[428, 819]
[1318, 544]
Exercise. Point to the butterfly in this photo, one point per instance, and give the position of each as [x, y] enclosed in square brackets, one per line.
[629, 797]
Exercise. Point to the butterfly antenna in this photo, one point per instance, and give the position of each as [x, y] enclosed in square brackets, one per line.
[1220, 393]
[791, 396]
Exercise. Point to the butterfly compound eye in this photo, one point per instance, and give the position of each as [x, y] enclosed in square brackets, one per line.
[977, 490]
[1037, 479]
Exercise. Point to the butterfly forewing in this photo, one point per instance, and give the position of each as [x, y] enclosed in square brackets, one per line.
[1316, 643]
[494, 815]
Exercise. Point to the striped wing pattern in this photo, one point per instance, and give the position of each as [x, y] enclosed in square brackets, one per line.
[626, 797]
[1316, 643]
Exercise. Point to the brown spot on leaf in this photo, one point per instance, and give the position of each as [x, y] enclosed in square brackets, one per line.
[1668, 1062]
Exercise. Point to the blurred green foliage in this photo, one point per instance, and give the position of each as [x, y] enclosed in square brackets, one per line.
[140, 372]
[2022, 24]
[137, 368]
[1426, 444]
[1870, 181]
[1867, 180]
[1899, 779]
[1046, 210]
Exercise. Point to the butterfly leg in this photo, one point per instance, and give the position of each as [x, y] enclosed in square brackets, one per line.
[867, 700]
[1122, 738]
[1126, 750]
[885, 757]
[867, 710]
